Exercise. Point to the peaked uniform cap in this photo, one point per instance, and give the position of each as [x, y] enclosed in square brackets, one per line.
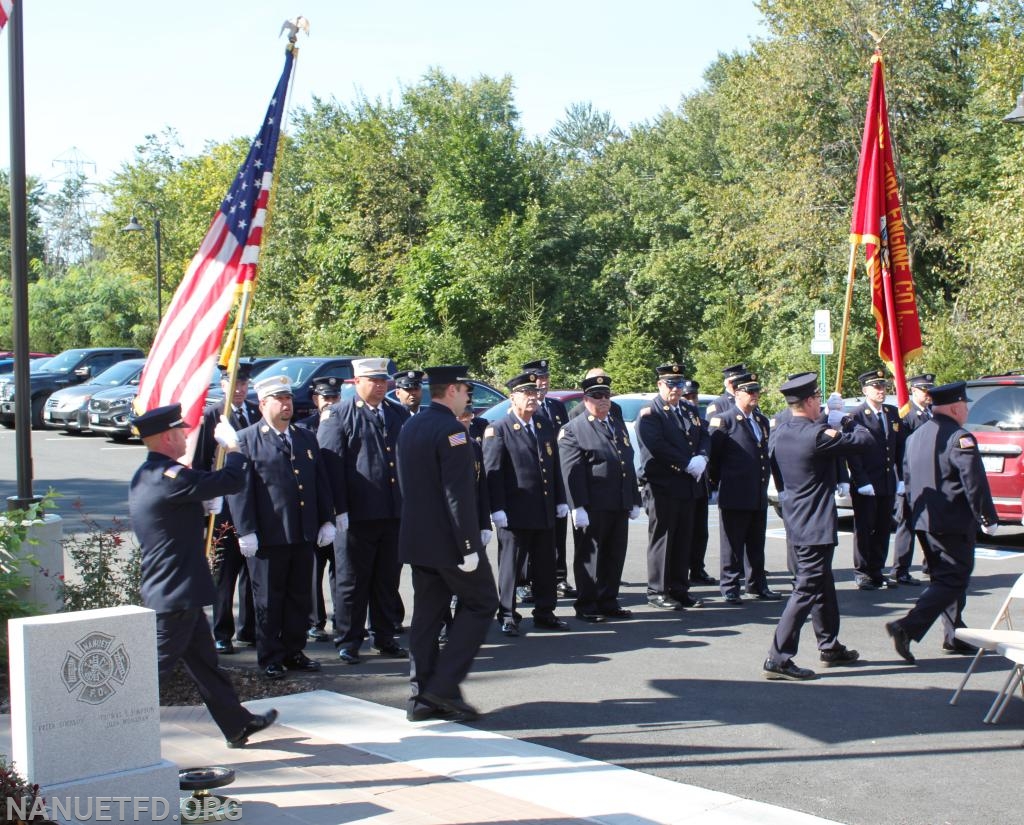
[274, 385]
[370, 368]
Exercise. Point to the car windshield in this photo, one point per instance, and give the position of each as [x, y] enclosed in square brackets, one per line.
[66, 361]
[300, 370]
[631, 406]
[121, 373]
[996, 407]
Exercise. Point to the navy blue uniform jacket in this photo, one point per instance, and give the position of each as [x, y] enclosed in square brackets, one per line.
[667, 442]
[437, 472]
[597, 468]
[206, 445]
[946, 483]
[360, 454]
[285, 499]
[739, 461]
[805, 452]
[526, 488]
[882, 465]
[165, 501]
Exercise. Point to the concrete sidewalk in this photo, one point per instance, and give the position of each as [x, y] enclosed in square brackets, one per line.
[334, 759]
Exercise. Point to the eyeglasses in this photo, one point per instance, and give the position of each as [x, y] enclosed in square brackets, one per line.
[599, 394]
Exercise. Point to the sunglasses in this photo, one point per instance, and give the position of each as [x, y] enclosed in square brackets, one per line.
[599, 394]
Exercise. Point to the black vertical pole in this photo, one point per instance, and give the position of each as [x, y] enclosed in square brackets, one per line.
[19, 262]
[159, 274]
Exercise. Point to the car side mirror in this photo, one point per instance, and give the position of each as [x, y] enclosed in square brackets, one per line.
[83, 372]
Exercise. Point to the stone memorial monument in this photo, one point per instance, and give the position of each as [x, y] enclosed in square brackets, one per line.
[85, 715]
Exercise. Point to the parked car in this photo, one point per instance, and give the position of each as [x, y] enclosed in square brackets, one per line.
[214, 393]
[73, 366]
[109, 411]
[484, 395]
[632, 402]
[996, 418]
[8, 353]
[568, 397]
[68, 409]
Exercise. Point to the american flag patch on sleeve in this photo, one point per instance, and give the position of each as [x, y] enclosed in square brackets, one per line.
[455, 439]
[967, 442]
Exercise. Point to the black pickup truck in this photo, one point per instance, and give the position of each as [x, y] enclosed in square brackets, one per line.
[73, 366]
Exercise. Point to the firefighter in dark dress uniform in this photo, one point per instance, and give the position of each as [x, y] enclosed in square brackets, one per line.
[673, 461]
[741, 468]
[526, 491]
[600, 482]
[949, 499]
[903, 543]
[166, 502]
[409, 389]
[699, 547]
[728, 396]
[876, 479]
[358, 437]
[282, 515]
[806, 446]
[229, 566]
[326, 391]
[440, 538]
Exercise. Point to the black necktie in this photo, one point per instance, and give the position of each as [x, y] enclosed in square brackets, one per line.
[243, 419]
[287, 442]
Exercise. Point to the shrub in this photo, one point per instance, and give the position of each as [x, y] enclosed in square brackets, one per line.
[106, 568]
[13, 580]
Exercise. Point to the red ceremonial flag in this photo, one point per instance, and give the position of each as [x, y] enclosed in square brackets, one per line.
[5, 11]
[878, 224]
[188, 341]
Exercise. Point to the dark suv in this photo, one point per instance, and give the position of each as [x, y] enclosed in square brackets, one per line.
[996, 417]
[73, 366]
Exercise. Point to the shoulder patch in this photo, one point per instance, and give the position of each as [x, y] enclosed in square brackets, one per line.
[172, 471]
[715, 422]
[832, 433]
[489, 432]
[967, 442]
[711, 408]
[561, 433]
[457, 439]
[773, 423]
[325, 414]
[739, 417]
[645, 411]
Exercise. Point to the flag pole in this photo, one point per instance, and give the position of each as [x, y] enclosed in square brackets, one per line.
[847, 309]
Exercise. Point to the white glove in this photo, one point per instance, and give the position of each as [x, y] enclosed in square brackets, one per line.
[580, 518]
[834, 403]
[499, 518]
[248, 544]
[213, 506]
[470, 563]
[990, 529]
[634, 513]
[901, 488]
[561, 510]
[867, 490]
[696, 466]
[835, 419]
[326, 534]
[843, 488]
[342, 523]
[225, 435]
[485, 537]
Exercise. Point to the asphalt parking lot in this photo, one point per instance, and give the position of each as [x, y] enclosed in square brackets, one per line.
[681, 695]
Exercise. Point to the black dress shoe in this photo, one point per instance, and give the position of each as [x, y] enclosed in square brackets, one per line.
[907, 579]
[591, 618]
[255, 725]
[788, 671]
[690, 602]
[733, 598]
[509, 628]
[565, 589]
[959, 646]
[458, 711]
[524, 594]
[765, 594]
[703, 577]
[393, 651]
[663, 602]
[421, 712]
[617, 613]
[300, 661]
[315, 634]
[274, 671]
[867, 584]
[550, 623]
[245, 640]
[839, 655]
[900, 640]
[224, 648]
[349, 657]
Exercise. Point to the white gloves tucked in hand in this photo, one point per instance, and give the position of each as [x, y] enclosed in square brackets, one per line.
[341, 522]
[248, 545]
[990, 529]
[867, 490]
[901, 488]
[499, 518]
[843, 488]
[326, 534]
[213, 506]
[470, 563]
[485, 537]
[580, 518]
[696, 466]
[225, 435]
[561, 510]
[634, 513]
[835, 419]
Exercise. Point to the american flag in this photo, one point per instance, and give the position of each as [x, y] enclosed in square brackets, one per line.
[5, 11]
[187, 343]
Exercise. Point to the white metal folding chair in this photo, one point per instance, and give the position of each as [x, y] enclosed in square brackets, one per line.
[1016, 655]
[1000, 632]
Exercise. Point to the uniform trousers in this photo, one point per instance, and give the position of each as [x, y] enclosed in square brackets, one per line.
[366, 580]
[184, 635]
[669, 542]
[437, 670]
[872, 524]
[903, 543]
[230, 569]
[516, 546]
[699, 546]
[281, 595]
[600, 556]
[741, 537]
[814, 593]
[324, 559]
[950, 558]
[561, 556]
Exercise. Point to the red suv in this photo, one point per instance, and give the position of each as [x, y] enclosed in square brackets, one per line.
[996, 417]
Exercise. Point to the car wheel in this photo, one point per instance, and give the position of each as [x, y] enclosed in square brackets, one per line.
[120, 438]
[37, 413]
[9, 425]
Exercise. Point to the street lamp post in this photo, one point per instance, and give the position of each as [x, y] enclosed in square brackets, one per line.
[135, 226]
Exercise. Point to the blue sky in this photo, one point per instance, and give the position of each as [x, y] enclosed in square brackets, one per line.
[101, 76]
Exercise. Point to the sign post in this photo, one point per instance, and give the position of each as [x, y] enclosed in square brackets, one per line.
[821, 343]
